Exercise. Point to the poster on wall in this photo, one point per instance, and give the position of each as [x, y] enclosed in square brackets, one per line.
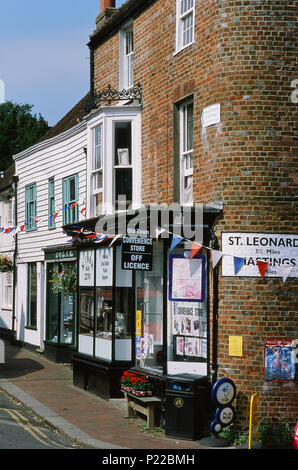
[279, 359]
[279, 250]
[187, 278]
[86, 268]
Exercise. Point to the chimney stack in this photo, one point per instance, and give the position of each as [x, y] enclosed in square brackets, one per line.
[106, 4]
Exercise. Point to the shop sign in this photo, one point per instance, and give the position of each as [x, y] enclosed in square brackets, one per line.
[60, 255]
[137, 253]
[211, 115]
[104, 267]
[280, 251]
[86, 268]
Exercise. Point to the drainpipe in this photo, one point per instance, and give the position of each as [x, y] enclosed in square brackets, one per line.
[15, 186]
[214, 364]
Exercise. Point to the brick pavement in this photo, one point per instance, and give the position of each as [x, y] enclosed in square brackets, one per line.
[105, 421]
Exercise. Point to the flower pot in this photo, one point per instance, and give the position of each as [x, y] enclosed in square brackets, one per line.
[142, 393]
[149, 393]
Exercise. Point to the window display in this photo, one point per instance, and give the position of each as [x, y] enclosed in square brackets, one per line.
[61, 306]
[149, 297]
[187, 314]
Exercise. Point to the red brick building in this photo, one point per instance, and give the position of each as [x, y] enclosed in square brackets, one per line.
[217, 128]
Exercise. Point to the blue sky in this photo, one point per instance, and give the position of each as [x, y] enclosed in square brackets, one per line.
[44, 58]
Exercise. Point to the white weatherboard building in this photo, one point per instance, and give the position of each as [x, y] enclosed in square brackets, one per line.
[51, 193]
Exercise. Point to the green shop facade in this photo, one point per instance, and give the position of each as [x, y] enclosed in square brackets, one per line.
[152, 318]
[61, 303]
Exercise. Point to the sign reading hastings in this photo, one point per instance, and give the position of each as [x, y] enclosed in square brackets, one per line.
[136, 253]
[280, 251]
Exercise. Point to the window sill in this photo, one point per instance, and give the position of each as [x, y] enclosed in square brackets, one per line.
[183, 48]
[34, 328]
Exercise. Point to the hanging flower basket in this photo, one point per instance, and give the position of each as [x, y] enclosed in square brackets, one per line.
[6, 264]
[64, 280]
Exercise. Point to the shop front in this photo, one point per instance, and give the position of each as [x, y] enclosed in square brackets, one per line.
[143, 306]
[61, 303]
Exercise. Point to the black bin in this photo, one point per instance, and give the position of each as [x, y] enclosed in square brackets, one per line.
[187, 399]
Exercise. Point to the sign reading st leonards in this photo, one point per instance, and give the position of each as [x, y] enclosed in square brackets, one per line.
[280, 251]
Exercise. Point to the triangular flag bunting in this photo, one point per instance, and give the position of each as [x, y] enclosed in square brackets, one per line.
[114, 239]
[194, 265]
[195, 247]
[238, 263]
[175, 241]
[158, 232]
[83, 210]
[285, 271]
[216, 256]
[262, 265]
[73, 239]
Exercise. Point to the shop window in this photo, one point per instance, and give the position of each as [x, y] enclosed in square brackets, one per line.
[61, 307]
[149, 296]
[86, 323]
[104, 322]
[32, 296]
[187, 314]
[30, 206]
[70, 195]
[185, 23]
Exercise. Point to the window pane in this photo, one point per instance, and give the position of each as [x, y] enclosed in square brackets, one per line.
[104, 309]
[123, 188]
[72, 190]
[149, 296]
[97, 163]
[53, 305]
[86, 325]
[32, 295]
[187, 28]
[68, 305]
[122, 140]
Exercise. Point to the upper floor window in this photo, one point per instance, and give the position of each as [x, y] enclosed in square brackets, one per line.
[70, 196]
[115, 160]
[51, 203]
[30, 206]
[186, 153]
[126, 58]
[185, 23]
[97, 171]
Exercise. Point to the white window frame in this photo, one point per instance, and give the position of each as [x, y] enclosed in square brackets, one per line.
[107, 117]
[126, 59]
[186, 154]
[181, 19]
[7, 284]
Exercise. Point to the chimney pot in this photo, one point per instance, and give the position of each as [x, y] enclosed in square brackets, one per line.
[106, 4]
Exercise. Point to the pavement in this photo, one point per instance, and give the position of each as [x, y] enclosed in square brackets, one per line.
[47, 389]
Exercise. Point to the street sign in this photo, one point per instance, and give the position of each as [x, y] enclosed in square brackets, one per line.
[136, 253]
[253, 419]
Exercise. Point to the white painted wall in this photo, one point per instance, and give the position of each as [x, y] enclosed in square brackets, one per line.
[58, 157]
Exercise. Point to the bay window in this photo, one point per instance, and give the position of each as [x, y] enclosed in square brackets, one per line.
[115, 160]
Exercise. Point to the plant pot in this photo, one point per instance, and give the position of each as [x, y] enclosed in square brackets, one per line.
[149, 393]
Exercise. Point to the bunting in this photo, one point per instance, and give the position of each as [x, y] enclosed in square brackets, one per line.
[175, 241]
[216, 255]
[195, 248]
[262, 265]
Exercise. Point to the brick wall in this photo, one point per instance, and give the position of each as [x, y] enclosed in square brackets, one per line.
[244, 58]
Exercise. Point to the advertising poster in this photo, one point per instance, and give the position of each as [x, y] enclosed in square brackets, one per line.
[279, 359]
[187, 278]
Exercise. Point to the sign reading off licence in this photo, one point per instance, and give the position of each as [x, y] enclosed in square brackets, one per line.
[137, 253]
